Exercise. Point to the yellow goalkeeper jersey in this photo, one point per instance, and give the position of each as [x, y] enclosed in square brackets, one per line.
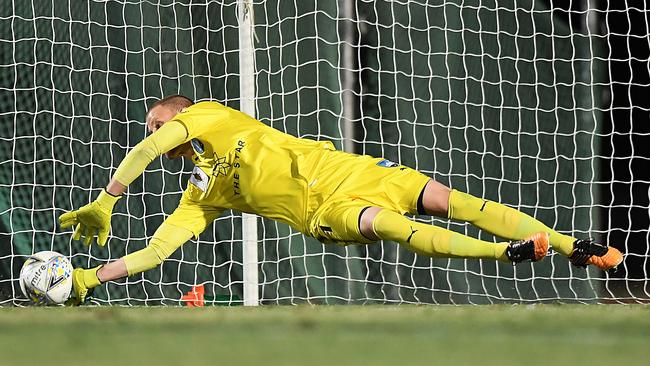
[242, 164]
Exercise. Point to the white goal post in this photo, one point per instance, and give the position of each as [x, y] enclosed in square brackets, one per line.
[247, 105]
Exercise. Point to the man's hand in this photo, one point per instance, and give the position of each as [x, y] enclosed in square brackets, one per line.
[83, 283]
[92, 219]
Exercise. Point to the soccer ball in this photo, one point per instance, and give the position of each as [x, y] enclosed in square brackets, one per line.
[46, 278]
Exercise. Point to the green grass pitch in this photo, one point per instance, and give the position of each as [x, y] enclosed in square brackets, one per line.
[328, 335]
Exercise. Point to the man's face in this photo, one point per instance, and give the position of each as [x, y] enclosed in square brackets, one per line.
[157, 117]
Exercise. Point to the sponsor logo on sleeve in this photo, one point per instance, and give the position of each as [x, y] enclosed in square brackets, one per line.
[199, 179]
[198, 147]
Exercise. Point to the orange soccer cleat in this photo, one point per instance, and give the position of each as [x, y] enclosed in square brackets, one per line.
[586, 252]
[532, 248]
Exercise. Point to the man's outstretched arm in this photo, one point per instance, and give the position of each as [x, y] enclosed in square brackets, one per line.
[164, 242]
[95, 217]
[188, 220]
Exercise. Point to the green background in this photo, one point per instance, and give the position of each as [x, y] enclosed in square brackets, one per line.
[494, 100]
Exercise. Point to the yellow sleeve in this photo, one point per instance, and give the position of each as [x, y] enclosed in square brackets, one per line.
[205, 116]
[192, 215]
[163, 243]
[187, 221]
[167, 137]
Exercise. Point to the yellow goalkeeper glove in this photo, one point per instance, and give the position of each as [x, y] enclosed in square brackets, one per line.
[83, 281]
[92, 219]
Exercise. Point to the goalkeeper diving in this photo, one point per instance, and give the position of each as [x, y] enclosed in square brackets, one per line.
[333, 196]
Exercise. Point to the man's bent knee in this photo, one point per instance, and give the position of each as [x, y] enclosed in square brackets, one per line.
[366, 222]
[435, 199]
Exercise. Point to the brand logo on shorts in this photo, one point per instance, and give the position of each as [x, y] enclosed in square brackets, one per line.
[387, 163]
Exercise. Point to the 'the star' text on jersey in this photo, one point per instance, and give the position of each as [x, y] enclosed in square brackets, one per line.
[236, 164]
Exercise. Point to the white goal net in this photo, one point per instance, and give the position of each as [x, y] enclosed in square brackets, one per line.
[517, 102]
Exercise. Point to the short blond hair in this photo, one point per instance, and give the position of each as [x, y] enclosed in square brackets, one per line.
[175, 101]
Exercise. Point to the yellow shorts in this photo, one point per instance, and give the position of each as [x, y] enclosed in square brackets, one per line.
[345, 184]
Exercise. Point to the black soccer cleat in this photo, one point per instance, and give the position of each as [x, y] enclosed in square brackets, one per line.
[586, 252]
[532, 248]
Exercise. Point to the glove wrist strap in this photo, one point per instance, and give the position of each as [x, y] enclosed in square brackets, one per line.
[107, 200]
[110, 194]
[90, 277]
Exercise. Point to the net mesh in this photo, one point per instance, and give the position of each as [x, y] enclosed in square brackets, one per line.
[502, 100]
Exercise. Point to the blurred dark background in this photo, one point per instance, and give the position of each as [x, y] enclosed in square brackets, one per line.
[626, 155]
[625, 135]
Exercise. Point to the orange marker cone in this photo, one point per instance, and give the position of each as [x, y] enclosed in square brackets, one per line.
[195, 297]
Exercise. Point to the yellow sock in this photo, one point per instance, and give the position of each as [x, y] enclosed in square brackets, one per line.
[434, 241]
[503, 221]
